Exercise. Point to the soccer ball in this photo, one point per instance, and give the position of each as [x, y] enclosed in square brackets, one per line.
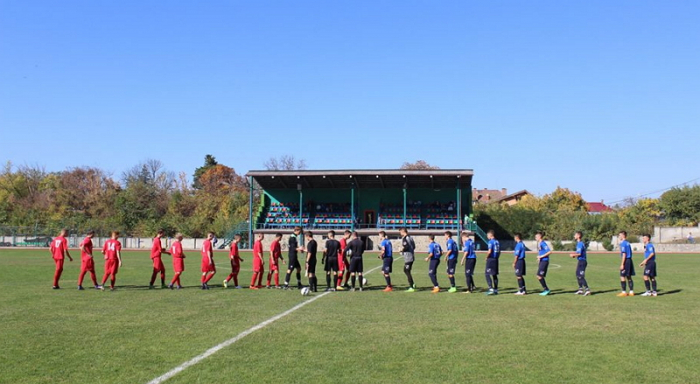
[364, 281]
[349, 252]
[305, 291]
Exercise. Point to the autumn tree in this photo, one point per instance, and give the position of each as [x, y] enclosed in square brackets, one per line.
[285, 163]
[418, 165]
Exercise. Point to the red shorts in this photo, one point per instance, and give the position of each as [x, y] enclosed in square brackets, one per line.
[178, 264]
[342, 265]
[274, 265]
[235, 268]
[87, 264]
[111, 266]
[158, 264]
[258, 266]
[59, 263]
[208, 268]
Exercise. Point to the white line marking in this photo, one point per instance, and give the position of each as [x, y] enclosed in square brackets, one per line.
[555, 266]
[217, 348]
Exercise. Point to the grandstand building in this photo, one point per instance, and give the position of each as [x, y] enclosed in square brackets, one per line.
[424, 201]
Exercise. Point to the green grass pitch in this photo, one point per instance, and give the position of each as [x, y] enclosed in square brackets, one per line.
[134, 335]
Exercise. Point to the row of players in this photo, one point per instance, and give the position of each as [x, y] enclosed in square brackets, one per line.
[343, 261]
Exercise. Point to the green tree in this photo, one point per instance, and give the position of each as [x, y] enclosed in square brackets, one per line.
[209, 162]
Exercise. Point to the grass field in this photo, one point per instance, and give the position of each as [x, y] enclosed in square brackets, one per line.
[134, 335]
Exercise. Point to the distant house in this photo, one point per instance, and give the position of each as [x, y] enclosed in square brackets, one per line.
[513, 198]
[487, 196]
[598, 208]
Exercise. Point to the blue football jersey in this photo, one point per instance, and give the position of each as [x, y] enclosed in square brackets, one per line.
[581, 250]
[543, 249]
[625, 249]
[451, 248]
[519, 250]
[495, 248]
[649, 250]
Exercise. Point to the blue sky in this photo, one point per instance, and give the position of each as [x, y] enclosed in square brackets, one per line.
[601, 97]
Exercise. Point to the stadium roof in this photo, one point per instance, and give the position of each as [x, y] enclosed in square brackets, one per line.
[364, 178]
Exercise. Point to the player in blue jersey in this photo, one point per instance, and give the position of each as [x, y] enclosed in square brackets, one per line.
[543, 253]
[580, 255]
[452, 252]
[492, 255]
[434, 253]
[649, 265]
[519, 264]
[468, 260]
[626, 266]
[387, 256]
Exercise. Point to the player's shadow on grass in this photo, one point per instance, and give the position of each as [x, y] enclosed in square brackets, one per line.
[561, 292]
[136, 287]
[670, 292]
[603, 292]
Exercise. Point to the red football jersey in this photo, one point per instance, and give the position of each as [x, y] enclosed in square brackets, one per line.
[111, 248]
[234, 250]
[58, 246]
[206, 248]
[86, 253]
[176, 249]
[157, 248]
[258, 249]
[276, 250]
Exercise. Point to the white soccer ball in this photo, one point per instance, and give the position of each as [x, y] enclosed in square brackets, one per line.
[364, 281]
[305, 291]
[349, 252]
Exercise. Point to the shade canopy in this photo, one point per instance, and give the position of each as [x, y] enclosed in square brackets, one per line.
[363, 178]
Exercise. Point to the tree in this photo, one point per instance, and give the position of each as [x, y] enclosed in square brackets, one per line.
[420, 164]
[564, 199]
[681, 206]
[285, 163]
[209, 161]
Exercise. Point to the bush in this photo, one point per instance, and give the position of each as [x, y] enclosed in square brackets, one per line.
[608, 245]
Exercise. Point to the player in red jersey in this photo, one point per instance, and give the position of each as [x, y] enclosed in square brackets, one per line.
[275, 257]
[87, 263]
[59, 251]
[235, 262]
[156, 256]
[208, 266]
[178, 261]
[343, 264]
[112, 250]
[258, 263]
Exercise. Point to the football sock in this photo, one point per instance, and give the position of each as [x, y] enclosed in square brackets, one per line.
[253, 279]
[57, 276]
[544, 284]
[495, 282]
[93, 277]
[340, 280]
[277, 279]
[235, 280]
[631, 283]
[298, 278]
[286, 278]
[112, 280]
[153, 276]
[260, 277]
[361, 281]
[410, 278]
[653, 285]
[269, 278]
[104, 278]
[162, 278]
[204, 276]
[520, 284]
[647, 285]
[172, 282]
[489, 282]
[82, 275]
[584, 283]
[328, 280]
[433, 278]
[388, 280]
[623, 284]
[211, 276]
[353, 281]
[452, 281]
[470, 282]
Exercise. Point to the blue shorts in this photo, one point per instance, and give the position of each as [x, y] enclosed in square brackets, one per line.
[434, 263]
[469, 266]
[581, 268]
[491, 266]
[451, 266]
[386, 264]
[628, 269]
[650, 269]
[520, 268]
[542, 268]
